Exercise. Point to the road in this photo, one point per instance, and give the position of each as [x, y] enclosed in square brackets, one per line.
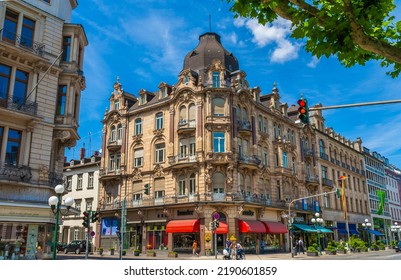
[388, 254]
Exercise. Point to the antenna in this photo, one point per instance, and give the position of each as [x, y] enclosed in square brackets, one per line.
[210, 23]
[90, 143]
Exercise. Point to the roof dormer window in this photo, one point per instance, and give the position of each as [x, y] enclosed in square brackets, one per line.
[143, 99]
[163, 92]
[116, 104]
[216, 79]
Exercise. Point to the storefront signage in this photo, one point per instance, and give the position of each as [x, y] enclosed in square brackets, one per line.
[248, 213]
[185, 213]
[299, 219]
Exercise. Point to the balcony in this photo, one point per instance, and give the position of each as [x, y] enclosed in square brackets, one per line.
[327, 183]
[181, 161]
[244, 127]
[251, 162]
[23, 42]
[16, 173]
[114, 144]
[324, 156]
[308, 154]
[106, 174]
[219, 158]
[312, 181]
[21, 106]
[186, 126]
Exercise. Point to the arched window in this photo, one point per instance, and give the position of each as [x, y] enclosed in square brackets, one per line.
[218, 106]
[183, 115]
[192, 112]
[113, 133]
[181, 185]
[119, 132]
[138, 126]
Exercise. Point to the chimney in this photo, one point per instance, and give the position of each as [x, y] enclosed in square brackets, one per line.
[82, 153]
[96, 153]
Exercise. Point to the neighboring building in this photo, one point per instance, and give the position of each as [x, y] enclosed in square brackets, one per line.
[82, 183]
[393, 179]
[376, 180]
[39, 109]
[213, 146]
[333, 156]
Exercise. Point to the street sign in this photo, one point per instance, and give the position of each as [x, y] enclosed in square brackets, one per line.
[216, 215]
[92, 233]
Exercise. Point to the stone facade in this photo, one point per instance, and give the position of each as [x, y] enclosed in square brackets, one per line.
[213, 146]
[39, 109]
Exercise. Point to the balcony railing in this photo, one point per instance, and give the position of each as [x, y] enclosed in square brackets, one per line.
[15, 104]
[22, 42]
[249, 159]
[18, 173]
[244, 125]
[327, 182]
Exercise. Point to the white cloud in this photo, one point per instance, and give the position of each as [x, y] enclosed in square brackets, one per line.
[276, 33]
[313, 63]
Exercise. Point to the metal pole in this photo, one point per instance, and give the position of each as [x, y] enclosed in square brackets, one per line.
[122, 228]
[87, 235]
[354, 105]
[215, 244]
[55, 238]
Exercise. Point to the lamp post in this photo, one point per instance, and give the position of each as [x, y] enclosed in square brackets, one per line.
[396, 228]
[55, 205]
[366, 225]
[317, 221]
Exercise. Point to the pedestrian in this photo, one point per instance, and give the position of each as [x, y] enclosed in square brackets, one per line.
[300, 246]
[262, 247]
[194, 248]
[228, 245]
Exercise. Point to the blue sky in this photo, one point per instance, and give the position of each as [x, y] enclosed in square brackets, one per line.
[144, 43]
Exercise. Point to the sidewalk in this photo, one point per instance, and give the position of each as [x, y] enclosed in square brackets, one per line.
[273, 256]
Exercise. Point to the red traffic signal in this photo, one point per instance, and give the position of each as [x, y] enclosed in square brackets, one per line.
[85, 219]
[303, 110]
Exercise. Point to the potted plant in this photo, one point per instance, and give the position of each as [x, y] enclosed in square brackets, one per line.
[137, 252]
[151, 253]
[172, 254]
[208, 252]
[112, 251]
[124, 252]
[341, 249]
[330, 250]
[312, 251]
[100, 251]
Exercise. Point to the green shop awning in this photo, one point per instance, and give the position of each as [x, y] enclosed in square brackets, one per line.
[305, 227]
[323, 229]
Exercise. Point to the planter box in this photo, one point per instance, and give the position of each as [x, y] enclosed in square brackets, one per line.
[151, 254]
[136, 253]
[172, 254]
[112, 252]
[331, 253]
[341, 251]
[100, 252]
[312, 254]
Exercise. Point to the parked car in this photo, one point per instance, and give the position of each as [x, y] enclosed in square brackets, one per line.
[398, 247]
[61, 246]
[77, 246]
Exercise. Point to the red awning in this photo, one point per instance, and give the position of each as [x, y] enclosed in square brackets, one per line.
[275, 227]
[251, 226]
[223, 228]
[183, 226]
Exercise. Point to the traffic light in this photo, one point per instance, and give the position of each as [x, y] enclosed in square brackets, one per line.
[217, 224]
[86, 219]
[303, 110]
[338, 192]
[147, 189]
[94, 216]
[212, 225]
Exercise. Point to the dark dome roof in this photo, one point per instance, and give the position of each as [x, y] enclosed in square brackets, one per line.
[208, 49]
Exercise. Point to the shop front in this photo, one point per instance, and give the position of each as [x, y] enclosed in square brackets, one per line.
[249, 234]
[26, 231]
[274, 238]
[183, 233]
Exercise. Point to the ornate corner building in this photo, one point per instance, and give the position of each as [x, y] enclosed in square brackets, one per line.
[41, 79]
[211, 146]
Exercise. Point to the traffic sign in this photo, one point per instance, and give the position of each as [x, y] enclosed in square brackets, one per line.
[92, 233]
[216, 215]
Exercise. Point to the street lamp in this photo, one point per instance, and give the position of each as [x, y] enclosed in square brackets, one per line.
[366, 225]
[55, 205]
[317, 221]
[396, 228]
